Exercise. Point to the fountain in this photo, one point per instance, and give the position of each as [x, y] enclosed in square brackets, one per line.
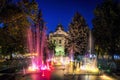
[90, 61]
[37, 39]
[88, 65]
[37, 46]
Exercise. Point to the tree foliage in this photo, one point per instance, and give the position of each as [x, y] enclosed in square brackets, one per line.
[78, 34]
[16, 18]
[106, 28]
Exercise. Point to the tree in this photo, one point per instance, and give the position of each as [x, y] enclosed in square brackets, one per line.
[106, 26]
[16, 18]
[78, 34]
[51, 47]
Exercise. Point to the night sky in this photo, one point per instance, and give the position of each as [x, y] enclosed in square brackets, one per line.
[62, 11]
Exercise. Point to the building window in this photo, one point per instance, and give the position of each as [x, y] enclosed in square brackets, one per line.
[54, 41]
[60, 52]
[59, 41]
[60, 45]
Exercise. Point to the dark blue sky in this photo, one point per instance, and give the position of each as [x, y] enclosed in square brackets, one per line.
[62, 11]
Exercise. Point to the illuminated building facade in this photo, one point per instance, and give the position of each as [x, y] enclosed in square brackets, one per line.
[59, 38]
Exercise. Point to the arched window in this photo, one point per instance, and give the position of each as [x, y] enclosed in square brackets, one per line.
[60, 41]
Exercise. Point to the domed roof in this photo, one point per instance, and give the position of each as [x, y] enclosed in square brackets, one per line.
[60, 27]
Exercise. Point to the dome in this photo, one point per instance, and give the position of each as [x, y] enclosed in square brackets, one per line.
[60, 27]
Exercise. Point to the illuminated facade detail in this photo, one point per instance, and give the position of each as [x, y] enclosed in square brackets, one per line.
[59, 39]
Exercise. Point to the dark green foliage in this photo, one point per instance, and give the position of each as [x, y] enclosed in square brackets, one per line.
[106, 28]
[78, 34]
[15, 19]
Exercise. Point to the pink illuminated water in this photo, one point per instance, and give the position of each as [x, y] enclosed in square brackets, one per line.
[37, 45]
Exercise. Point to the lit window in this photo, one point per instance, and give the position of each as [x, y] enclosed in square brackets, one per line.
[59, 41]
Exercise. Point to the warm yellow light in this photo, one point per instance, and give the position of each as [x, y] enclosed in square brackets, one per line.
[89, 68]
[78, 69]
[30, 54]
[95, 70]
[31, 69]
[71, 63]
[105, 77]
